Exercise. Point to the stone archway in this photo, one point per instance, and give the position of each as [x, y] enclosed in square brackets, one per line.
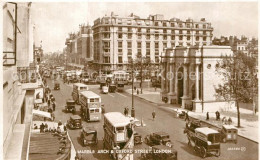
[180, 77]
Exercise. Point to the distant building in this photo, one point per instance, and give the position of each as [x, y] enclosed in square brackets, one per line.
[80, 47]
[189, 77]
[117, 39]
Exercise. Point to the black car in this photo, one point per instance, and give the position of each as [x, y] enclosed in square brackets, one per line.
[74, 122]
[70, 106]
[56, 86]
[158, 138]
[137, 139]
[88, 136]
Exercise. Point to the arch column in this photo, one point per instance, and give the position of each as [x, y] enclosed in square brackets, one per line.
[186, 100]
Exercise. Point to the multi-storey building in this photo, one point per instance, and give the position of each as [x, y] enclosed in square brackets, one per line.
[20, 79]
[117, 40]
[80, 47]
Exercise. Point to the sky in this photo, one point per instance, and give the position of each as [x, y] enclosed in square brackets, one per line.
[55, 20]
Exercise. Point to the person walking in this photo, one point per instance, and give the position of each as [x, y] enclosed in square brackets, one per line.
[187, 116]
[125, 111]
[53, 106]
[207, 116]
[153, 114]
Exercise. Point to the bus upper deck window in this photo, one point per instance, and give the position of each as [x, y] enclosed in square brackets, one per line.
[92, 111]
[120, 129]
[96, 110]
[92, 100]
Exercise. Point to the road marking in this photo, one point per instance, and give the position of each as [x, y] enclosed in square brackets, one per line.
[110, 95]
[121, 94]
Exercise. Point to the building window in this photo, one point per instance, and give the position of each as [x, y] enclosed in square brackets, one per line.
[188, 38]
[147, 51]
[188, 44]
[120, 59]
[120, 35]
[156, 45]
[129, 44]
[139, 36]
[156, 23]
[156, 37]
[204, 26]
[164, 31]
[180, 32]
[156, 59]
[106, 60]
[106, 35]
[156, 52]
[172, 25]
[197, 25]
[129, 29]
[120, 50]
[164, 45]
[204, 32]
[148, 31]
[188, 25]
[173, 44]
[204, 38]
[139, 29]
[147, 36]
[120, 44]
[139, 45]
[197, 38]
[129, 35]
[164, 24]
[139, 52]
[188, 32]
[147, 44]
[120, 29]
[180, 44]
[173, 37]
[164, 37]
[129, 52]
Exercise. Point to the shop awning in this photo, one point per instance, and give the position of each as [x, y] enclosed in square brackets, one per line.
[42, 113]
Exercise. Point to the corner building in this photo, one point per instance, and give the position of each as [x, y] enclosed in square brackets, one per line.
[118, 39]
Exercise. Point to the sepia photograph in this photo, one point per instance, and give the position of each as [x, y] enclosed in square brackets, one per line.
[129, 80]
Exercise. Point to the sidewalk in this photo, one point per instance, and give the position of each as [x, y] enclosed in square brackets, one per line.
[248, 121]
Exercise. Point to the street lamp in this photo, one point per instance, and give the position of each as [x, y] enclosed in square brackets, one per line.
[133, 109]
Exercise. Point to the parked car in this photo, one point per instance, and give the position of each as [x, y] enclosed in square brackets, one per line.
[158, 138]
[160, 152]
[228, 133]
[205, 141]
[70, 106]
[88, 136]
[112, 88]
[74, 122]
[104, 89]
[56, 86]
[137, 139]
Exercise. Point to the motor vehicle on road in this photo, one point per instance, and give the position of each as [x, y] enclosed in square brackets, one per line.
[105, 89]
[158, 138]
[77, 88]
[137, 138]
[88, 136]
[74, 122]
[56, 86]
[228, 133]
[70, 106]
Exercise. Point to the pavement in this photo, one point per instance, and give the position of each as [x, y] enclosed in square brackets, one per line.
[248, 121]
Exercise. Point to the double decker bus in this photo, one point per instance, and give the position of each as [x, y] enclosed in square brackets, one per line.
[118, 135]
[90, 106]
[77, 88]
[121, 76]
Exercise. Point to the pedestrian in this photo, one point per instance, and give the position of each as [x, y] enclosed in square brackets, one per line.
[187, 116]
[49, 102]
[64, 127]
[53, 106]
[60, 123]
[53, 116]
[207, 116]
[41, 128]
[125, 111]
[137, 91]
[229, 120]
[153, 114]
[216, 115]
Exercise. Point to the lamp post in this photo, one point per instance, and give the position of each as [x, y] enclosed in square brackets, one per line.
[133, 109]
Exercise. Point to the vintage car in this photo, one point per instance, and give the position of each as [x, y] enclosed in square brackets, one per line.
[88, 136]
[102, 83]
[74, 122]
[70, 106]
[205, 141]
[137, 139]
[112, 88]
[105, 89]
[228, 133]
[158, 138]
[191, 126]
[160, 152]
[56, 86]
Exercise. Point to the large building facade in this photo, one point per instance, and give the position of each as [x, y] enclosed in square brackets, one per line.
[79, 49]
[117, 40]
[189, 77]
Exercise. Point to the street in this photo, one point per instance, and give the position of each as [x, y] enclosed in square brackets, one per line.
[165, 121]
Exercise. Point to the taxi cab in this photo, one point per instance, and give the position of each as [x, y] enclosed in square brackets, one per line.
[74, 122]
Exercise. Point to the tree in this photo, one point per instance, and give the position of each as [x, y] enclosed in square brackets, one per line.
[240, 79]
